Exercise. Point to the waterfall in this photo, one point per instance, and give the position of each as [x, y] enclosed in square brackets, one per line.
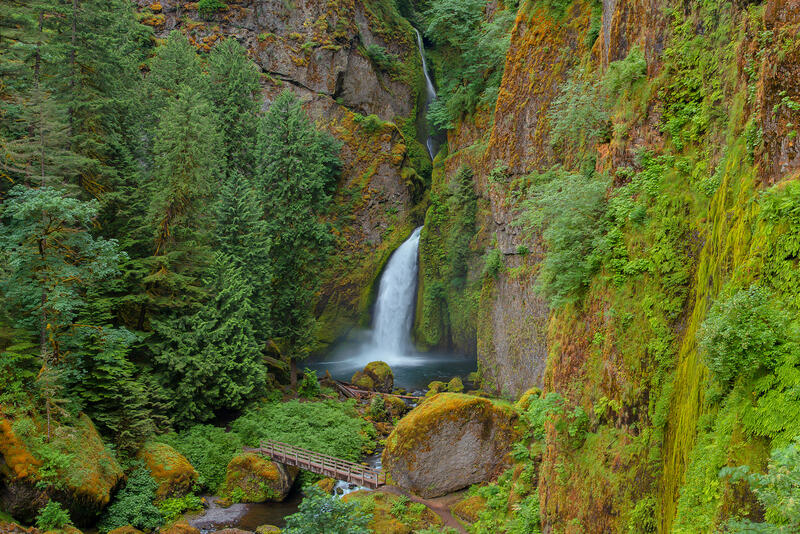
[394, 309]
[430, 94]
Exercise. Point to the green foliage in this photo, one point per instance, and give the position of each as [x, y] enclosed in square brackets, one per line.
[309, 385]
[570, 210]
[643, 517]
[208, 7]
[174, 507]
[297, 167]
[742, 334]
[320, 513]
[500, 515]
[377, 408]
[623, 74]
[577, 116]
[493, 264]
[382, 58]
[473, 56]
[540, 410]
[209, 449]
[52, 516]
[133, 504]
[370, 123]
[329, 427]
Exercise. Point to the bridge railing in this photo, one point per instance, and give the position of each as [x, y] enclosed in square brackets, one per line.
[321, 464]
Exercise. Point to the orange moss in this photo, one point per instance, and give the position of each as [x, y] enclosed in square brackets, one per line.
[170, 469]
[16, 456]
[469, 508]
[257, 478]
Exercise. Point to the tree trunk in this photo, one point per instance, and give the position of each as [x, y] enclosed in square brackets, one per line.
[293, 372]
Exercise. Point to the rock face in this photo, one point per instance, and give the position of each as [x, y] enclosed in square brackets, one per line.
[376, 376]
[256, 479]
[83, 483]
[449, 442]
[318, 50]
[173, 472]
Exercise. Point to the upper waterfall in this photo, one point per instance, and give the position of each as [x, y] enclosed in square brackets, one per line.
[430, 142]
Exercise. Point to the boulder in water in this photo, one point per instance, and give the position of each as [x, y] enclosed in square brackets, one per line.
[258, 479]
[455, 385]
[376, 376]
[449, 442]
[170, 469]
[437, 386]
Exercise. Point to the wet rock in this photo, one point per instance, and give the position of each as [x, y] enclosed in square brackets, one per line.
[127, 529]
[455, 385]
[268, 529]
[527, 398]
[376, 376]
[83, 486]
[326, 485]
[170, 469]
[258, 479]
[394, 406]
[449, 442]
[233, 531]
[435, 387]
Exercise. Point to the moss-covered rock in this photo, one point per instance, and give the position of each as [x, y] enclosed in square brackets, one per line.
[181, 527]
[268, 529]
[326, 484]
[81, 471]
[395, 514]
[435, 387]
[455, 385]
[170, 469]
[127, 529]
[257, 479]
[448, 442]
[376, 376]
[395, 407]
[468, 509]
[525, 400]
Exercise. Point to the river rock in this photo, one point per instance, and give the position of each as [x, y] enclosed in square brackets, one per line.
[181, 527]
[258, 479]
[83, 485]
[170, 469]
[455, 385]
[376, 376]
[268, 529]
[127, 529]
[449, 442]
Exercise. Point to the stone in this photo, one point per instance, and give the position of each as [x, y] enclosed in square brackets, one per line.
[258, 479]
[376, 376]
[527, 398]
[170, 469]
[395, 407]
[181, 527]
[468, 509]
[449, 442]
[455, 385]
[268, 529]
[127, 529]
[232, 531]
[326, 485]
[85, 485]
[435, 387]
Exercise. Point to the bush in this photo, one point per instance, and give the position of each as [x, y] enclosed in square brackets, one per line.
[742, 333]
[208, 449]
[133, 505]
[208, 7]
[370, 123]
[493, 263]
[540, 410]
[173, 508]
[382, 58]
[309, 385]
[377, 408]
[320, 513]
[52, 516]
[577, 118]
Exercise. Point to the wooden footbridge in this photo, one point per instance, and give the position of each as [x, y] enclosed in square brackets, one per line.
[321, 464]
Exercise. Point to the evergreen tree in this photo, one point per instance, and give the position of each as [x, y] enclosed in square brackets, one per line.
[211, 360]
[244, 237]
[174, 66]
[233, 89]
[295, 175]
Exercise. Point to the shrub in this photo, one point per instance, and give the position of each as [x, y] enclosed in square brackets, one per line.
[742, 333]
[320, 513]
[493, 263]
[52, 516]
[577, 118]
[208, 7]
[377, 408]
[540, 410]
[133, 505]
[370, 123]
[622, 74]
[309, 385]
[382, 58]
[173, 508]
[208, 449]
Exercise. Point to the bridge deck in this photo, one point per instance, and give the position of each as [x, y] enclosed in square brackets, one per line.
[321, 464]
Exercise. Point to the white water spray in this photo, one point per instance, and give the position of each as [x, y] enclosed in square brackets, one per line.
[431, 92]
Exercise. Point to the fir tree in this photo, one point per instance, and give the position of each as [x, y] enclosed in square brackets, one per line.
[211, 360]
[295, 176]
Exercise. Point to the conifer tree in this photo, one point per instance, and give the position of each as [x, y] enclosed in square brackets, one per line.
[211, 359]
[243, 236]
[296, 172]
[233, 90]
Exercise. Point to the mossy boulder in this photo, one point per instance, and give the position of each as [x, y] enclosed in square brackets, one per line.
[395, 514]
[268, 529]
[127, 529]
[170, 469]
[395, 407]
[455, 385]
[83, 475]
[258, 479]
[468, 509]
[376, 376]
[435, 387]
[181, 527]
[527, 398]
[449, 442]
[326, 484]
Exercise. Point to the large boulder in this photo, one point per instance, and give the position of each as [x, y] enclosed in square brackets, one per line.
[376, 376]
[181, 527]
[82, 472]
[170, 469]
[449, 442]
[252, 478]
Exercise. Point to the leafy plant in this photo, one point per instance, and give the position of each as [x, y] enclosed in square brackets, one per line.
[133, 505]
[208, 7]
[320, 513]
[209, 449]
[174, 507]
[382, 58]
[52, 516]
[309, 385]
